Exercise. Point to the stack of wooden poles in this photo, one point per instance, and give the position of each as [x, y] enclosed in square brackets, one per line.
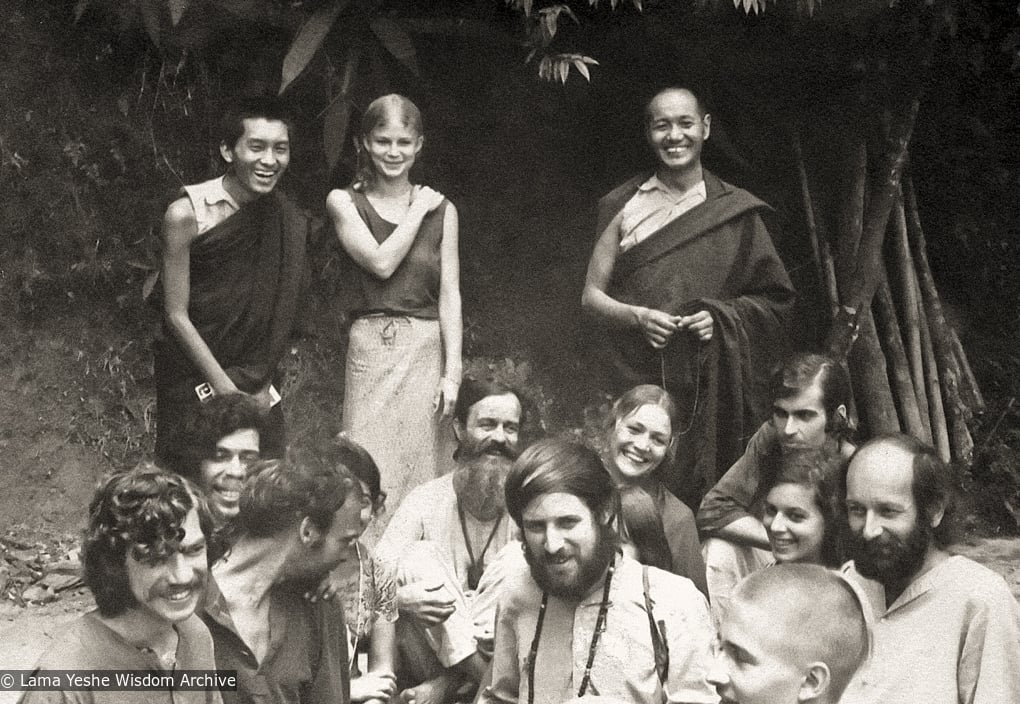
[908, 369]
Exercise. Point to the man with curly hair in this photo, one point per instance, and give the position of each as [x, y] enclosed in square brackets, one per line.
[216, 448]
[144, 557]
[298, 518]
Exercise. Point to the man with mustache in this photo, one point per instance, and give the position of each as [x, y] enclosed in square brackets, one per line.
[810, 395]
[144, 559]
[946, 629]
[444, 540]
[298, 518]
[582, 619]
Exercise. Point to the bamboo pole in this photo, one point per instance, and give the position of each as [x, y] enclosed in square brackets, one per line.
[939, 432]
[969, 382]
[940, 332]
[910, 295]
[824, 269]
[899, 368]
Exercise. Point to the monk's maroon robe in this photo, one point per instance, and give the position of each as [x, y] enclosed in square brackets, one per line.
[247, 281]
[718, 256]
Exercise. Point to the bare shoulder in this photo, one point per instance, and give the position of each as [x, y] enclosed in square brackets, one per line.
[338, 197]
[179, 222]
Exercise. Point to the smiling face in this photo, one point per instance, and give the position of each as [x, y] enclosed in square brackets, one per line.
[795, 524]
[889, 539]
[800, 420]
[751, 664]
[676, 129]
[169, 589]
[223, 475]
[393, 148]
[566, 547]
[639, 443]
[492, 427]
[258, 159]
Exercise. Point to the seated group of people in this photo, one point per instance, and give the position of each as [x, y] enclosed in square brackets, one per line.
[550, 572]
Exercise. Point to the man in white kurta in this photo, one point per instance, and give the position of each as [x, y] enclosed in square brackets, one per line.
[946, 629]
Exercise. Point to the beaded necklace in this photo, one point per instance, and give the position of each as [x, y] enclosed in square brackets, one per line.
[600, 626]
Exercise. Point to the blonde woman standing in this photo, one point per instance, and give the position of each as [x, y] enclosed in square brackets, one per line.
[404, 357]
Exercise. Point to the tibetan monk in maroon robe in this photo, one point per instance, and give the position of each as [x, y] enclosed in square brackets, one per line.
[689, 293]
[234, 270]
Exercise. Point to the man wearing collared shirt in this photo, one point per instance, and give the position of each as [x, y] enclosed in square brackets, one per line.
[946, 629]
[144, 559]
[685, 277]
[298, 519]
[233, 274]
[584, 620]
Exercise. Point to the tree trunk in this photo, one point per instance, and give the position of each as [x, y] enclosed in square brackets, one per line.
[824, 270]
[899, 367]
[941, 335]
[862, 284]
[939, 432]
[910, 298]
[871, 380]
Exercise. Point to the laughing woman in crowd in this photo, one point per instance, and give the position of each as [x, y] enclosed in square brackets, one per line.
[641, 439]
[801, 510]
[404, 357]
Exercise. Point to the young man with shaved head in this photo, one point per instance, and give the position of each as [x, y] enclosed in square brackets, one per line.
[792, 634]
[692, 295]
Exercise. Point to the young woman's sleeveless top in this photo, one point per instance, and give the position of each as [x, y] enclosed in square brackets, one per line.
[413, 289]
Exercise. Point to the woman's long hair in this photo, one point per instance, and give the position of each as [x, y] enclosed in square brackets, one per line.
[381, 111]
[641, 526]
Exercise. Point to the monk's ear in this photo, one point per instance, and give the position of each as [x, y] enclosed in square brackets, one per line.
[815, 683]
[707, 119]
[227, 152]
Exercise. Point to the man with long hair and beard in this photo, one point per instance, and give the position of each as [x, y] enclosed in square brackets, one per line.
[582, 619]
[946, 629]
[447, 540]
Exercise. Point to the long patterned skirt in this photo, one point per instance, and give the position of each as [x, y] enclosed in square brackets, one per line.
[393, 369]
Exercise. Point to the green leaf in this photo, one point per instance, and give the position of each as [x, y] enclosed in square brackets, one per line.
[152, 11]
[563, 68]
[582, 69]
[398, 42]
[335, 124]
[308, 40]
[79, 9]
[261, 11]
[177, 8]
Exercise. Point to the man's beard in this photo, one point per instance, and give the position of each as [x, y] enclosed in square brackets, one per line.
[480, 478]
[888, 559]
[588, 570]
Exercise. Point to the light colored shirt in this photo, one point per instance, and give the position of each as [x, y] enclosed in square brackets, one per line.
[654, 206]
[211, 202]
[429, 512]
[624, 665]
[952, 637]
